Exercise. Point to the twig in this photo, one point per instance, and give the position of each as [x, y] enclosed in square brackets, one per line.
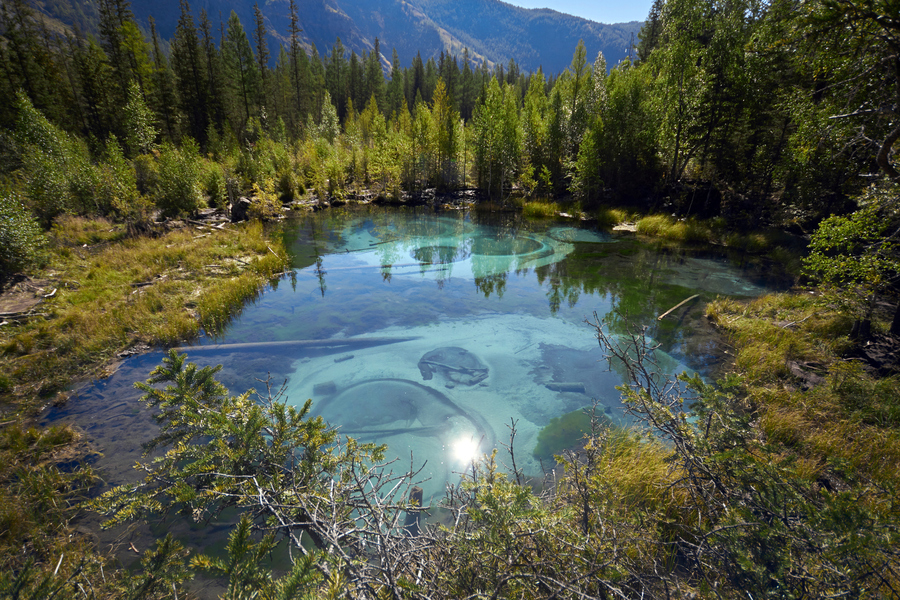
[676, 307]
[796, 322]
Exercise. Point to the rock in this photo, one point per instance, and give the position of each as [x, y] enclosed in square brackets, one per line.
[457, 365]
[239, 209]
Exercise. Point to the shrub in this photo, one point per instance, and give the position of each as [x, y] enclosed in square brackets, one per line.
[56, 167]
[265, 204]
[214, 184]
[21, 238]
[178, 187]
[116, 190]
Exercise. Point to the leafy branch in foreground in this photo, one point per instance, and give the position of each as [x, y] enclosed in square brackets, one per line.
[693, 503]
[288, 472]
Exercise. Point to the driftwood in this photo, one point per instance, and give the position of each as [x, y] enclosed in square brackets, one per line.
[676, 307]
[360, 342]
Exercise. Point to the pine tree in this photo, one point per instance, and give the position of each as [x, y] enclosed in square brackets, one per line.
[298, 81]
[416, 81]
[163, 101]
[241, 73]
[336, 78]
[215, 78]
[262, 57]
[650, 32]
[375, 75]
[396, 96]
[190, 73]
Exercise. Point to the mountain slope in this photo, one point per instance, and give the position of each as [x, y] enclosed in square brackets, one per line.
[490, 29]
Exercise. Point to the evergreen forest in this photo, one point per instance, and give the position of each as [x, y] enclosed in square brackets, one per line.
[729, 117]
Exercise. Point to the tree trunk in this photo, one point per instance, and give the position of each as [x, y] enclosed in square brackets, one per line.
[895, 324]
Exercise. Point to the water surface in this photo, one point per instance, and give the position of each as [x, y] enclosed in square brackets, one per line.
[433, 332]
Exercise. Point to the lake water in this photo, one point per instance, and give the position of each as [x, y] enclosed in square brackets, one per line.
[433, 332]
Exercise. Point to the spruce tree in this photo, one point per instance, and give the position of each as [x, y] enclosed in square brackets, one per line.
[190, 74]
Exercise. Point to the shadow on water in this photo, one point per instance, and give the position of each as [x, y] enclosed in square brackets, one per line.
[430, 332]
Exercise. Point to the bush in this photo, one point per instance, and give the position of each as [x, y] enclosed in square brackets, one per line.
[178, 186]
[264, 204]
[56, 169]
[21, 238]
[214, 184]
[116, 191]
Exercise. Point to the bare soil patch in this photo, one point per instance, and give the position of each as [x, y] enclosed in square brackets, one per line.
[20, 295]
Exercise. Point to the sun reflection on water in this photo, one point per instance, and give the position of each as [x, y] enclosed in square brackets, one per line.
[465, 449]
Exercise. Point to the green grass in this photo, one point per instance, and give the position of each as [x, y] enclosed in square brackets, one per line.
[608, 217]
[540, 209]
[686, 231]
[113, 291]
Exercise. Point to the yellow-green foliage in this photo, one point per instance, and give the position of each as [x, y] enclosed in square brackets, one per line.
[73, 232]
[540, 209]
[264, 205]
[687, 231]
[151, 290]
[635, 467]
[33, 505]
[607, 217]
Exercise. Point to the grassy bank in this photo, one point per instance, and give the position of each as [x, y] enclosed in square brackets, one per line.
[114, 295]
[838, 420]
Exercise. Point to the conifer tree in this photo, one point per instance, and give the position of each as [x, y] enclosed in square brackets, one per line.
[336, 76]
[241, 73]
[396, 95]
[262, 57]
[163, 100]
[190, 74]
[374, 85]
[215, 78]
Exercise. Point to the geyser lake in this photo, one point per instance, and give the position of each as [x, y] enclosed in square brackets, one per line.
[433, 332]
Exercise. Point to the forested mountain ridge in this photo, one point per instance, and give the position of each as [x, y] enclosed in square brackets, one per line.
[491, 30]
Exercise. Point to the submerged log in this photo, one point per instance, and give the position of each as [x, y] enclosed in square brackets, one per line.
[570, 386]
[250, 346]
[412, 517]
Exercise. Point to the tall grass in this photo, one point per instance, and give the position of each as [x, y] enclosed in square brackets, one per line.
[608, 217]
[540, 209]
[685, 231]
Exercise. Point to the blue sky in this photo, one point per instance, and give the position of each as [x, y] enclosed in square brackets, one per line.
[604, 11]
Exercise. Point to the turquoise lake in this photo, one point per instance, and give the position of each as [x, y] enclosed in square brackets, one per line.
[433, 332]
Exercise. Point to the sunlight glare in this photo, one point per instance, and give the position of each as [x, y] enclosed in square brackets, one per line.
[465, 449]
